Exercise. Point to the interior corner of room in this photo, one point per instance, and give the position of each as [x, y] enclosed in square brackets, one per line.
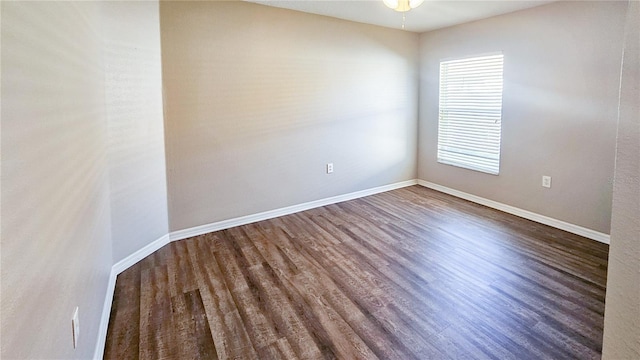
[128, 125]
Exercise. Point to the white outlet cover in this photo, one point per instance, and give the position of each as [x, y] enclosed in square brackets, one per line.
[75, 327]
[546, 181]
[329, 168]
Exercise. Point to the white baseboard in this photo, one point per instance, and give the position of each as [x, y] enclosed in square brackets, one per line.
[559, 224]
[104, 319]
[226, 224]
[149, 249]
[116, 269]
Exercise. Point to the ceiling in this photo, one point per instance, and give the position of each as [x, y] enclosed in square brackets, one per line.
[431, 15]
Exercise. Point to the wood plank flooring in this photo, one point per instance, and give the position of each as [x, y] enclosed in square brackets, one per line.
[406, 274]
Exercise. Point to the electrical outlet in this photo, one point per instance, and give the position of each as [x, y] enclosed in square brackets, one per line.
[75, 327]
[546, 181]
[329, 168]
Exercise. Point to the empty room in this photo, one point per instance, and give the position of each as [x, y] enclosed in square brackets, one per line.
[314, 179]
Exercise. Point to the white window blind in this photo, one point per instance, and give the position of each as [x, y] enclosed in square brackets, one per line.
[470, 116]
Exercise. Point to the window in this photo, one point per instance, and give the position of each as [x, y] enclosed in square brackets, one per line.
[470, 115]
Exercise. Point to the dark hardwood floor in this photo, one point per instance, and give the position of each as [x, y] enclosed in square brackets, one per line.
[406, 274]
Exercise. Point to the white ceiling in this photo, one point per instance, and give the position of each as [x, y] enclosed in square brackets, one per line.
[431, 15]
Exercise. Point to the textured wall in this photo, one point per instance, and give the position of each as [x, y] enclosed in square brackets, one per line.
[56, 246]
[561, 71]
[136, 130]
[622, 312]
[259, 99]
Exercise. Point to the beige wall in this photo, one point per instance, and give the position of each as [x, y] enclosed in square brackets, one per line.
[561, 72]
[136, 130]
[56, 246]
[622, 313]
[259, 99]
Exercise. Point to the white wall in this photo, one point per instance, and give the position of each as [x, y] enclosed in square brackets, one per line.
[561, 72]
[622, 312]
[136, 130]
[259, 99]
[56, 244]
